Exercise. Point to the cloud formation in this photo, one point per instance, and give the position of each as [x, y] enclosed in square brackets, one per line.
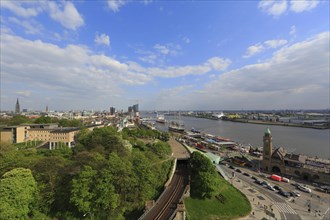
[260, 47]
[64, 12]
[114, 5]
[273, 7]
[293, 75]
[75, 71]
[19, 8]
[303, 5]
[102, 39]
[278, 7]
[67, 15]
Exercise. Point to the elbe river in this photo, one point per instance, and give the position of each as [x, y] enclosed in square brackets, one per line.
[307, 141]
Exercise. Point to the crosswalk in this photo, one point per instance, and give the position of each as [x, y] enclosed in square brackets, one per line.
[284, 207]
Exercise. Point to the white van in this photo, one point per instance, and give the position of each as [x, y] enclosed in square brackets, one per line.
[286, 180]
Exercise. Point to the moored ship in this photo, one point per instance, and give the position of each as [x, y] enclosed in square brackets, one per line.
[176, 126]
[160, 119]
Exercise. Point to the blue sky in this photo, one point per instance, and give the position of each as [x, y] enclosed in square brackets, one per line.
[165, 55]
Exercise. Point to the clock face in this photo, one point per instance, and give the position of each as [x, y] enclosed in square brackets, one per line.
[266, 140]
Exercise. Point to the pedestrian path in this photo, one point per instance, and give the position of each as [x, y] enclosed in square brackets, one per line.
[284, 207]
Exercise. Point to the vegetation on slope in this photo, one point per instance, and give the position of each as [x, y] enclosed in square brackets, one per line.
[107, 174]
[211, 196]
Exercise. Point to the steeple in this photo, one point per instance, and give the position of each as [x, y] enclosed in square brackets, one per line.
[17, 107]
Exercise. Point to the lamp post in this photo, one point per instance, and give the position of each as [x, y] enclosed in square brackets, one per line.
[90, 214]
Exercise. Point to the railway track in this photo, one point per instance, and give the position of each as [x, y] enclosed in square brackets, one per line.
[165, 209]
[167, 203]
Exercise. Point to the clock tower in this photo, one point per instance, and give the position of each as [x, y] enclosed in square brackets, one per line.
[267, 150]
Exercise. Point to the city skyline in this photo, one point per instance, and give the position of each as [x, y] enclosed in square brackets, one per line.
[165, 55]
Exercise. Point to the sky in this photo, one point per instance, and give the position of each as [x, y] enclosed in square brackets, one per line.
[165, 55]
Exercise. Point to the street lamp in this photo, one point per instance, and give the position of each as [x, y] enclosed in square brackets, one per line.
[90, 214]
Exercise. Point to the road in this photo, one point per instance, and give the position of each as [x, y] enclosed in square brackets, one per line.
[289, 208]
[285, 210]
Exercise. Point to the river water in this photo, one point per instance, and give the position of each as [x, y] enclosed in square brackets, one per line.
[307, 141]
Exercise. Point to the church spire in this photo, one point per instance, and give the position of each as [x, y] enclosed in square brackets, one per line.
[17, 107]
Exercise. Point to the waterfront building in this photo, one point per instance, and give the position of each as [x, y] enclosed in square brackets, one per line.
[281, 162]
[17, 107]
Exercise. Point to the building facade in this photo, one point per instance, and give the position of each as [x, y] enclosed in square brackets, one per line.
[279, 161]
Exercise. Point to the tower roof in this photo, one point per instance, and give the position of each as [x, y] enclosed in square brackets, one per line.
[267, 131]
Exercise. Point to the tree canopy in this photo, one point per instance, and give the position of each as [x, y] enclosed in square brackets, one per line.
[204, 177]
[101, 175]
[18, 191]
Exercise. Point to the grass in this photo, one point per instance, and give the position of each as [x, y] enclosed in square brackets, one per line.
[234, 206]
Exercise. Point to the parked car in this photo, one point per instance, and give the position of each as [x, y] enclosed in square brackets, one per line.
[254, 178]
[277, 187]
[231, 167]
[284, 193]
[286, 180]
[270, 187]
[238, 170]
[246, 174]
[258, 182]
[294, 194]
[304, 188]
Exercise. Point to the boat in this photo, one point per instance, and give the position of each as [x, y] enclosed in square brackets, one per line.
[160, 119]
[176, 125]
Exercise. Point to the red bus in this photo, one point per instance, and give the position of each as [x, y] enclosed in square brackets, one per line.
[276, 177]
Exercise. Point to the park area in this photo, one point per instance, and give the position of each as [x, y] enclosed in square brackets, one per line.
[230, 203]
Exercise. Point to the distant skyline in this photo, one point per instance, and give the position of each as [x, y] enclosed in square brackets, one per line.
[165, 55]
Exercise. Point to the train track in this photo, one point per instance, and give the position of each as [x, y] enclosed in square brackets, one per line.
[166, 205]
[164, 210]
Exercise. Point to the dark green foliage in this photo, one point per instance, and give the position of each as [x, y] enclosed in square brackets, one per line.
[45, 120]
[15, 120]
[100, 175]
[70, 123]
[204, 178]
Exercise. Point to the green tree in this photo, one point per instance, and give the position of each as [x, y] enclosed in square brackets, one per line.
[81, 194]
[18, 191]
[204, 178]
[43, 120]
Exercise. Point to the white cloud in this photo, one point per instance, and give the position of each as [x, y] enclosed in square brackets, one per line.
[293, 30]
[75, 72]
[67, 15]
[114, 5]
[303, 5]
[273, 7]
[102, 39]
[162, 49]
[275, 43]
[260, 47]
[159, 53]
[253, 50]
[295, 77]
[30, 26]
[18, 8]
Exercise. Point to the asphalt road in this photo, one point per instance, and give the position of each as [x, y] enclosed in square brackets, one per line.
[286, 211]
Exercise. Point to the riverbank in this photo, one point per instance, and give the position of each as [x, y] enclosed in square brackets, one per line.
[276, 123]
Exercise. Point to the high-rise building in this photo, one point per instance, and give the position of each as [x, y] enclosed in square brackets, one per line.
[46, 109]
[136, 108]
[17, 107]
[112, 110]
